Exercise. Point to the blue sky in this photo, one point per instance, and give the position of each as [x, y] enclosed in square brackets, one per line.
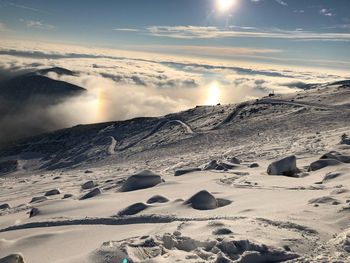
[269, 31]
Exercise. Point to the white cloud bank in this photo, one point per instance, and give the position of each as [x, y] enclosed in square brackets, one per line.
[123, 85]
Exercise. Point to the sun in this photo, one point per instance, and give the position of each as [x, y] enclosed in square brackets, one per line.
[213, 94]
[224, 5]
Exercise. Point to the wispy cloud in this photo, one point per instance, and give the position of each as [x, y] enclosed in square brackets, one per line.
[340, 26]
[28, 8]
[126, 29]
[326, 12]
[216, 51]
[195, 32]
[281, 2]
[37, 25]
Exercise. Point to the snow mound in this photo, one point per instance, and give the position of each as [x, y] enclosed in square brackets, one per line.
[339, 191]
[67, 196]
[157, 199]
[162, 248]
[88, 185]
[133, 209]
[253, 165]
[53, 192]
[222, 231]
[186, 171]
[319, 164]
[204, 200]
[142, 180]
[38, 199]
[336, 156]
[324, 200]
[91, 194]
[329, 159]
[330, 176]
[286, 166]
[13, 258]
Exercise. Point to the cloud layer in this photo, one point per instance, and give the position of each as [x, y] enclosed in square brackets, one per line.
[123, 85]
[199, 32]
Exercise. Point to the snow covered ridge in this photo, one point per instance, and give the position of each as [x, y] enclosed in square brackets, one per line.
[115, 140]
[263, 181]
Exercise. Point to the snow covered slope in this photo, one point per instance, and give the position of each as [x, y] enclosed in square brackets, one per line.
[63, 197]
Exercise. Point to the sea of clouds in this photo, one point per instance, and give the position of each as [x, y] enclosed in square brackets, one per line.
[124, 84]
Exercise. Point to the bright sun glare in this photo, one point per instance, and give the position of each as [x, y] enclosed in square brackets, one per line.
[213, 95]
[224, 5]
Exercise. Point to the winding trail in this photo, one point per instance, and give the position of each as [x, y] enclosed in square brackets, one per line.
[161, 124]
[111, 148]
[232, 115]
[302, 104]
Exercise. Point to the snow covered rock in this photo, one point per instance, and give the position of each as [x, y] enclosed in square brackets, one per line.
[203, 200]
[253, 165]
[91, 194]
[234, 160]
[186, 171]
[157, 199]
[323, 200]
[133, 209]
[219, 166]
[222, 231]
[53, 192]
[67, 196]
[336, 156]
[227, 165]
[323, 163]
[345, 139]
[4, 206]
[34, 212]
[13, 258]
[88, 185]
[286, 166]
[37, 199]
[211, 165]
[331, 176]
[142, 180]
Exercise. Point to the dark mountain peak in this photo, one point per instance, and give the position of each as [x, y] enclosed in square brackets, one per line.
[28, 86]
[58, 70]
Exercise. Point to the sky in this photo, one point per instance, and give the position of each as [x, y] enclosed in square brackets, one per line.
[300, 32]
[153, 57]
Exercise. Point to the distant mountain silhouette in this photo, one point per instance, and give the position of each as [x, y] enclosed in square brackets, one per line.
[26, 100]
[31, 88]
[57, 70]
